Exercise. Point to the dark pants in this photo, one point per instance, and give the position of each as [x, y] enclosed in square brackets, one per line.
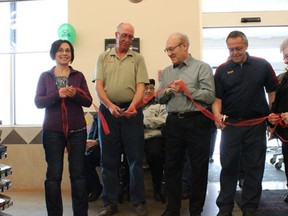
[92, 160]
[54, 144]
[246, 145]
[154, 149]
[191, 135]
[213, 139]
[130, 133]
[285, 159]
[186, 177]
[187, 169]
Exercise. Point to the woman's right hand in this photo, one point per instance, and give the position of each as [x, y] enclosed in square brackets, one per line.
[63, 92]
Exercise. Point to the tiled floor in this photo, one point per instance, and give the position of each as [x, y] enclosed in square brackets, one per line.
[31, 203]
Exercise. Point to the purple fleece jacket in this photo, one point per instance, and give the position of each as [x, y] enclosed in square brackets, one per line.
[47, 96]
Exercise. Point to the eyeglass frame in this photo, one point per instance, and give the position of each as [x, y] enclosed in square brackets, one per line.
[171, 49]
[150, 87]
[124, 35]
[64, 50]
[237, 49]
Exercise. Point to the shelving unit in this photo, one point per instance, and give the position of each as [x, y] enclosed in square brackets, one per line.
[5, 184]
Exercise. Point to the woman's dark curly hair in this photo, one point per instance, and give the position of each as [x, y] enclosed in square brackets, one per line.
[55, 47]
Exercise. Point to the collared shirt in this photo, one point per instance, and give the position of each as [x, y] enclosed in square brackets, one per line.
[197, 76]
[241, 87]
[120, 76]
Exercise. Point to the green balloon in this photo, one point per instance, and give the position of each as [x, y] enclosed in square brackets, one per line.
[67, 32]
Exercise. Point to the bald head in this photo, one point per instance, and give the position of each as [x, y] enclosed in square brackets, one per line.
[122, 26]
[177, 47]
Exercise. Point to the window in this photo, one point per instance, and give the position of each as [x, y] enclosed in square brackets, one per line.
[27, 30]
[263, 42]
[223, 16]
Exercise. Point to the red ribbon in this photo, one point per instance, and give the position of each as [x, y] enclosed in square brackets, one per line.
[65, 122]
[206, 112]
[281, 124]
[248, 122]
[65, 117]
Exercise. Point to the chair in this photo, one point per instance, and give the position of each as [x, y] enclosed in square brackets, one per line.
[277, 155]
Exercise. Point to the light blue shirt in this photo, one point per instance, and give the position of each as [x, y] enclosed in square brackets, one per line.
[197, 76]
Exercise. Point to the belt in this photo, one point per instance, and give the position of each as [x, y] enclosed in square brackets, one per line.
[185, 114]
[122, 105]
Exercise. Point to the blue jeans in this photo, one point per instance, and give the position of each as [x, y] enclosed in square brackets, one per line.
[54, 144]
[130, 133]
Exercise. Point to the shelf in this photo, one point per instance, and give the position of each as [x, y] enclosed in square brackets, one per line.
[5, 170]
[3, 150]
[5, 202]
[5, 184]
[3, 155]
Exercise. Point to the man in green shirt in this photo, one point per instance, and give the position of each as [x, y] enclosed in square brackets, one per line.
[120, 79]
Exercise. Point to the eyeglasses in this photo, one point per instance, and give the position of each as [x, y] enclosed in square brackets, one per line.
[285, 56]
[64, 51]
[125, 36]
[237, 49]
[170, 49]
[151, 88]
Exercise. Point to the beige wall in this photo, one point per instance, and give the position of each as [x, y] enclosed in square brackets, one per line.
[153, 20]
[29, 167]
[95, 20]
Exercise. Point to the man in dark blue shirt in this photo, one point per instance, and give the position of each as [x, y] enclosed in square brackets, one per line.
[240, 95]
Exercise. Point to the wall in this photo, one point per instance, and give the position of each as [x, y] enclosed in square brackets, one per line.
[153, 20]
[94, 20]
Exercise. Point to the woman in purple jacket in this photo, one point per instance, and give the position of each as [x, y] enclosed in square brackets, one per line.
[62, 91]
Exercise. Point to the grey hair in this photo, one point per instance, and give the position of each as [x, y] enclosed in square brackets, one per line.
[235, 34]
[284, 45]
[123, 23]
[182, 37]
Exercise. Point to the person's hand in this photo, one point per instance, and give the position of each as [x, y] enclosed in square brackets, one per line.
[284, 117]
[70, 91]
[176, 87]
[63, 92]
[274, 118]
[220, 121]
[90, 143]
[116, 111]
[131, 112]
